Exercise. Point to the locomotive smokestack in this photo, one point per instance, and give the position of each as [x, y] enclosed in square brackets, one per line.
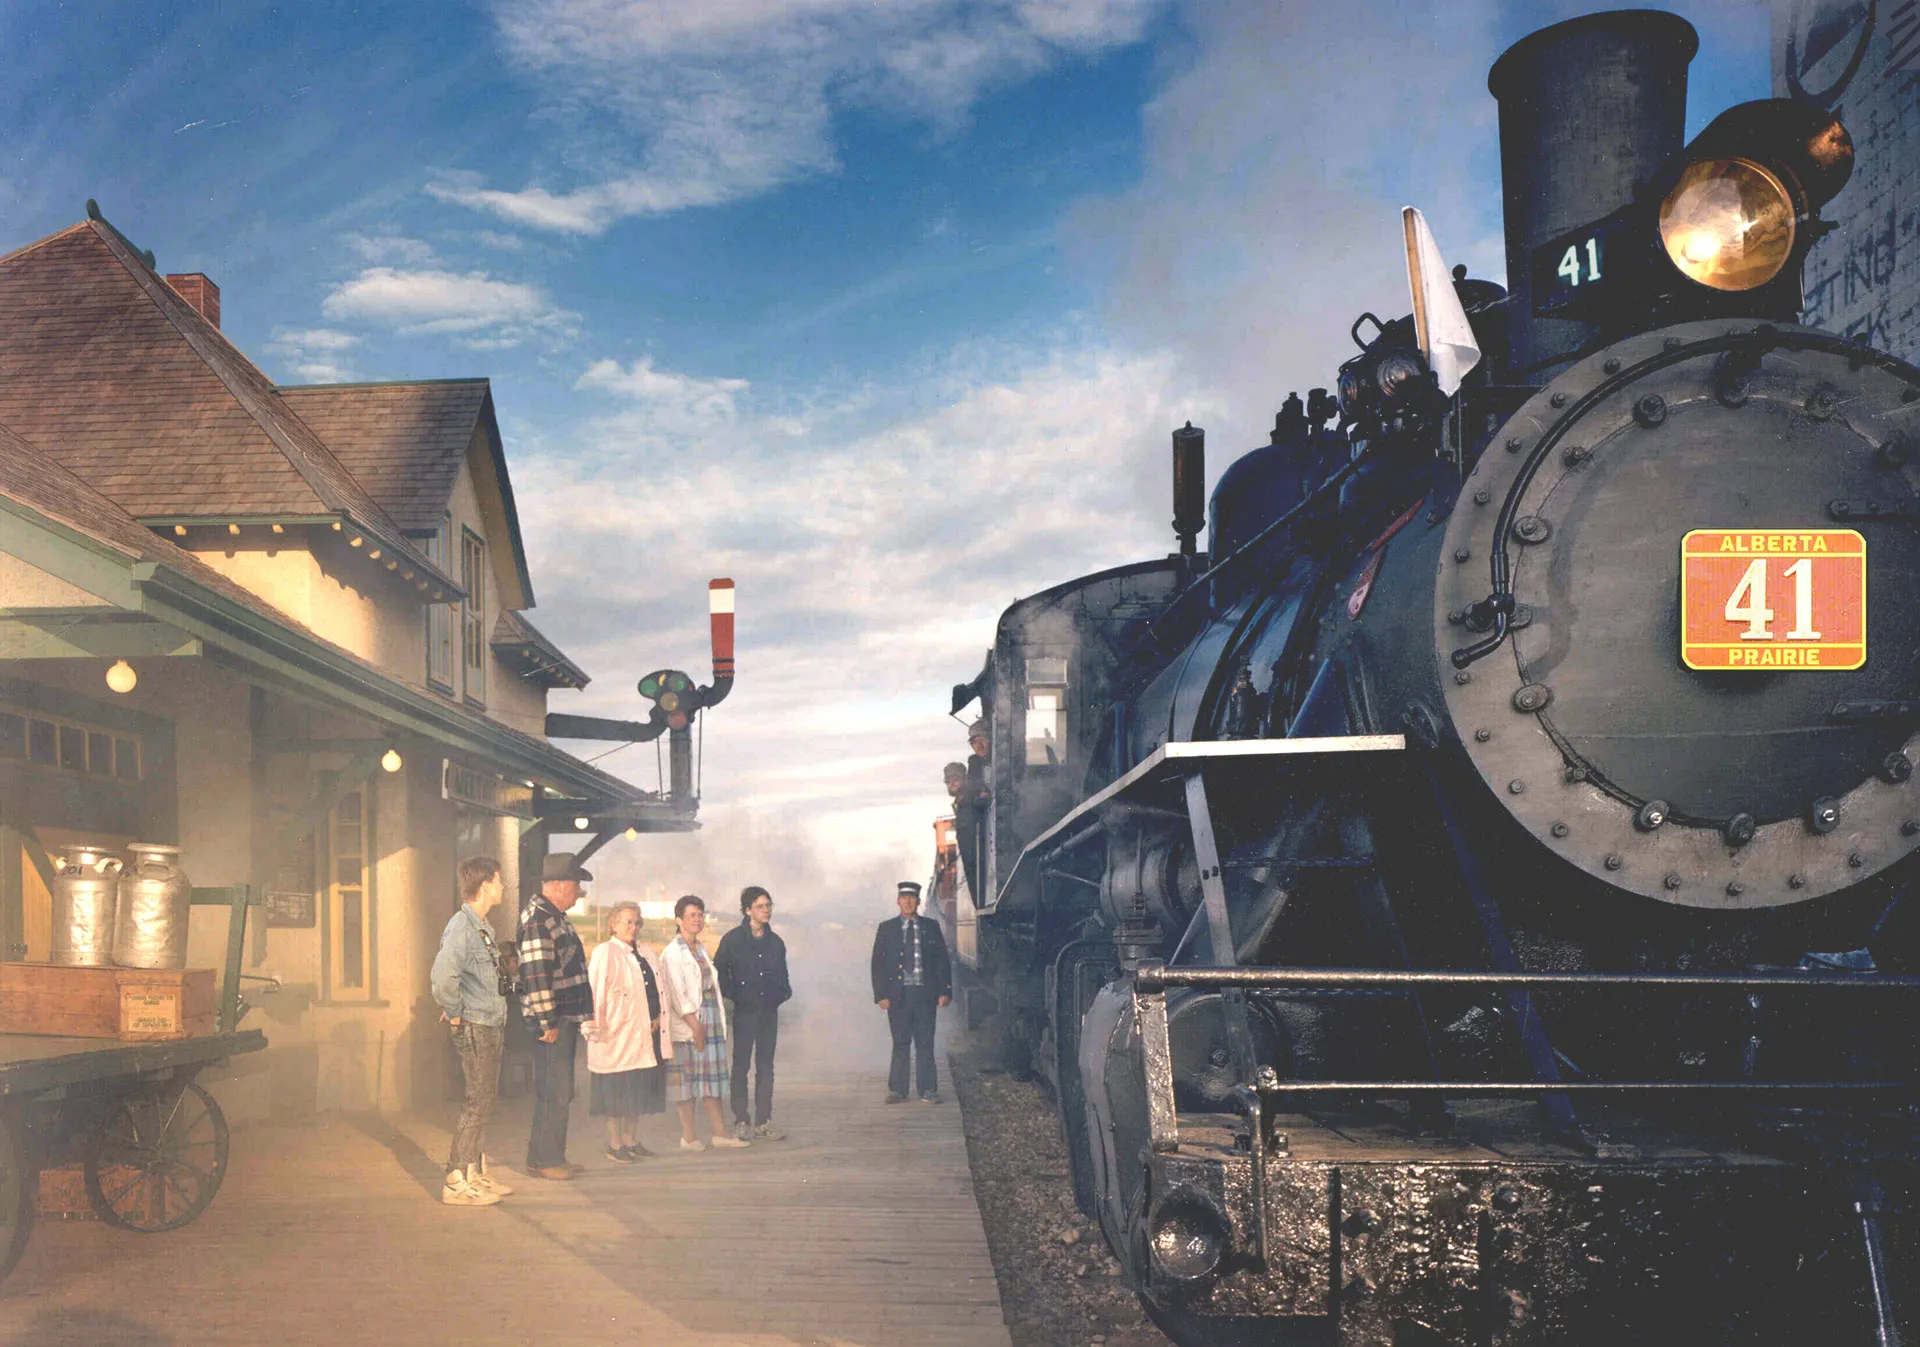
[1189, 485]
[1588, 109]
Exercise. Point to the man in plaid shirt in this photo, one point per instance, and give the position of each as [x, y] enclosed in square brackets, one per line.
[555, 999]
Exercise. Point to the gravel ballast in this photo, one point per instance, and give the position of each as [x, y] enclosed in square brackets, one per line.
[1059, 1285]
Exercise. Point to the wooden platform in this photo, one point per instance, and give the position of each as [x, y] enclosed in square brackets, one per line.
[861, 1230]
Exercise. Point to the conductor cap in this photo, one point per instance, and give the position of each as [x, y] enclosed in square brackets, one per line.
[909, 889]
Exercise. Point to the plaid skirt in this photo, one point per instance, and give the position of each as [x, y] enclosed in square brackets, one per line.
[703, 1074]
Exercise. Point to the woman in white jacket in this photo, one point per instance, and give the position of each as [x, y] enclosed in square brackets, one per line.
[698, 1023]
[626, 1051]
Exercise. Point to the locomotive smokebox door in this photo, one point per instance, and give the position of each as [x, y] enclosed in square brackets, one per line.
[1713, 528]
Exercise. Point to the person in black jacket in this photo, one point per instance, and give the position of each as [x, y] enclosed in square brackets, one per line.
[912, 979]
[752, 965]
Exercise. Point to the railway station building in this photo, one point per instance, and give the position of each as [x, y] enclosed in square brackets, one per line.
[283, 628]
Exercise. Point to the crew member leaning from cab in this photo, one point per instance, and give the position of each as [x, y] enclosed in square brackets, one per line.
[970, 804]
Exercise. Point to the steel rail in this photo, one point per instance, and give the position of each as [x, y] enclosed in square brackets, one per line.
[1157, 979]
[1524, 1087]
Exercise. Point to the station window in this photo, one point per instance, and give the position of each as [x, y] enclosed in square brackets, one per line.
[440, 615]
[59, 743]
[349, 901]
[1046, 712]
[473, 579]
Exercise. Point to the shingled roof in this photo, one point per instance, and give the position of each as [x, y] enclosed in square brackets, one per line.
[404, 442]
[519, 641]
[38, 482]
[35, 480]
[107, 371]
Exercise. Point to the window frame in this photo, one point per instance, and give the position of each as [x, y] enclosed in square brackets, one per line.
[1061, 714]
[65, 738]
[473, 616]
[334, 926]
[440, 616]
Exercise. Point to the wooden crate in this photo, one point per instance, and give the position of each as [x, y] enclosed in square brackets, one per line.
[133, 1004]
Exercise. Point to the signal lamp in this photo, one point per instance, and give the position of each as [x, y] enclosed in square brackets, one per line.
[1728, 224]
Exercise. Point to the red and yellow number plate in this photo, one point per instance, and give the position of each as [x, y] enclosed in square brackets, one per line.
[1773, 599]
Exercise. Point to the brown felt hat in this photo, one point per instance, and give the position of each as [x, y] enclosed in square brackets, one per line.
[562, 865]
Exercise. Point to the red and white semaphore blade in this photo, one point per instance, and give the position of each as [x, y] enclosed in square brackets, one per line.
[720, 611]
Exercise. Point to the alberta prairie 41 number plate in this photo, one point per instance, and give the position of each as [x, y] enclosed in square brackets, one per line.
[1773, 599]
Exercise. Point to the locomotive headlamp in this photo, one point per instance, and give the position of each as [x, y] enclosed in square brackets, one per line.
[1743, 202]
[1187, 1237]
[1728, 224]
[1352, 393]
[1400, 375]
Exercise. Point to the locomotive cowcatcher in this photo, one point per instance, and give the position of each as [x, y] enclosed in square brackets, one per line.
[1468, 904]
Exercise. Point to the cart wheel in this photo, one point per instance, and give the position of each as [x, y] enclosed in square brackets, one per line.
[19, 1193]
[157, 1160]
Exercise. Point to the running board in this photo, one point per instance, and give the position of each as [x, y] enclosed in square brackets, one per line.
[1177, 761]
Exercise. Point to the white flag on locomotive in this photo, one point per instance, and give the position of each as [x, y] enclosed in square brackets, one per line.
[1446, 337]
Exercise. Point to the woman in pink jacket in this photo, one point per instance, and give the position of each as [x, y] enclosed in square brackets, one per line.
[625, 1046]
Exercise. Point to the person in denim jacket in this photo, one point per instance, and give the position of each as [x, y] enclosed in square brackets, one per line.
[470, 980]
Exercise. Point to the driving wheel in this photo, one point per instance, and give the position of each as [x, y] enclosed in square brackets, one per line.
[157, 1159]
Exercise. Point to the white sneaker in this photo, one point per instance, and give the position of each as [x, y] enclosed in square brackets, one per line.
[731, 1143]
[686, 1145]
[481, 1177]
[766, 1131]
[457, 1192]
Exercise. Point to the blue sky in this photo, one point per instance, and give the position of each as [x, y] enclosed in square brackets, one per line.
[885, 310]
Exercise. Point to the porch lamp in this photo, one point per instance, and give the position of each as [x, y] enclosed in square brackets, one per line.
[121, 676]
[390, 761]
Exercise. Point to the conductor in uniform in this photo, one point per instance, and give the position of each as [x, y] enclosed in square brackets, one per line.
[912, 980]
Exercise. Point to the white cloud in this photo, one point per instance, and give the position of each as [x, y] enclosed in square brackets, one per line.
[874, 546]
[315, 354]
[676, 398]
[429, 301]
[394, 248]
[688, 105]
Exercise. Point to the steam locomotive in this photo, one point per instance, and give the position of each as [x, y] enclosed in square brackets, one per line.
[1468, 904]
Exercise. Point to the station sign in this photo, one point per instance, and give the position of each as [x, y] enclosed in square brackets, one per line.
[485, 790]
[1755, 600]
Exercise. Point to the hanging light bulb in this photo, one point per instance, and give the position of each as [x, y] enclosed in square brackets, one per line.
[633, 834]
[580, 825]
[121, 676]
[390, 761]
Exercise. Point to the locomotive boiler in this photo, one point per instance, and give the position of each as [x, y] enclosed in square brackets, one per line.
[1467, 904]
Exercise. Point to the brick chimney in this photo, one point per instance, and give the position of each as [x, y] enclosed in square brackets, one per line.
[200, 292]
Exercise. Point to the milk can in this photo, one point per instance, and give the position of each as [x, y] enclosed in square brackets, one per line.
[85, 894]
[155, 899]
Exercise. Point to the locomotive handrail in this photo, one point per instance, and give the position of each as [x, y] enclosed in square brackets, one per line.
[1528, 1087]
[1498, 605]
[1329, 488]
[1195, 751]
[1151, 979]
